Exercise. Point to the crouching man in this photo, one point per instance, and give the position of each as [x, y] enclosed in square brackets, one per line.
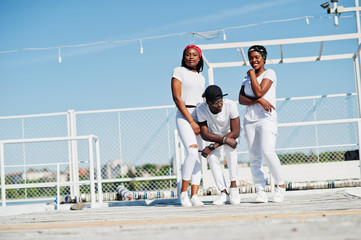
[219, 122]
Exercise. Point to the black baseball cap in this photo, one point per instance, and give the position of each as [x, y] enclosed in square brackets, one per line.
[213, 92]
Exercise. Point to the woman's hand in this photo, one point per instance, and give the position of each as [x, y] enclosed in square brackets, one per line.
[251, 71]
[196, 128]
[266, 105]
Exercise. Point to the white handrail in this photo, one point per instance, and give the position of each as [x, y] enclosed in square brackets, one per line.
[52, 139]
[324, 122]
[90, 139]
[35, 165]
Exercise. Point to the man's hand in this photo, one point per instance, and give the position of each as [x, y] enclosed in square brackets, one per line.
[205, 152]
[231, 142]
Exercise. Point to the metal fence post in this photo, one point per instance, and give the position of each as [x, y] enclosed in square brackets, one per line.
[91, 168]
[359, 142]
[58, 186]
[3, 192]
[99, 175]
[73, 160]
[178, 161]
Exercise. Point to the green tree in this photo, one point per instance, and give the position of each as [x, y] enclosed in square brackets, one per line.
[150, 168]
[332, 156]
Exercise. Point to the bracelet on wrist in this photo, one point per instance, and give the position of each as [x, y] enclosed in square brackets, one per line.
[224, 140]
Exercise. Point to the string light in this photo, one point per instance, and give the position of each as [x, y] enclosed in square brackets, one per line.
[59, 59]
[192, 36]
[141, 46]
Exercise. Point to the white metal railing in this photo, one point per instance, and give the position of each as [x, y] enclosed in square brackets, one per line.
[140, 143]
[179, 149]
[58, 183]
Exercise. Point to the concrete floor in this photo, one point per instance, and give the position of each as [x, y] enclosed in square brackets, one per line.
[309, 214]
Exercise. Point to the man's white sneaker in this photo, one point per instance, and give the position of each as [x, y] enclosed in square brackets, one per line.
[195, 201]
[185, 202]
[221, 199]
[262, 197]
[279, 196]
[234, 197]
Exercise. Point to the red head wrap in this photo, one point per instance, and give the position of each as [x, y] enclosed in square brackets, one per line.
[195, 47]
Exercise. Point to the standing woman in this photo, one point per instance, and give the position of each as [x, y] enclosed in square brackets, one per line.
[188, 86]
[258, 93]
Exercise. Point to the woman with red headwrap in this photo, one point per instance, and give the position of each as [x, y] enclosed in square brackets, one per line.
[188, 86]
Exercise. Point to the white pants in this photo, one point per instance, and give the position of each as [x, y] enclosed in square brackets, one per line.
[261, 139]
[191, 168]
[216, 165]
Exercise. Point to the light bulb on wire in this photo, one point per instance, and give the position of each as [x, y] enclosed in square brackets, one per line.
[141, 46]
[59, 59]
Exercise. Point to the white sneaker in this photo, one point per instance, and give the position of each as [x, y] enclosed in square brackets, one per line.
[234, 197]
[280, 194]
[261, 197]
[185, 202]
[195, 201]
[221, 199]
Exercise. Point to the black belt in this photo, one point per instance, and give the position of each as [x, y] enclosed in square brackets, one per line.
[190, 106]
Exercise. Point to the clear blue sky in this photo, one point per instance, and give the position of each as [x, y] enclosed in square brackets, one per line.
[112, 76]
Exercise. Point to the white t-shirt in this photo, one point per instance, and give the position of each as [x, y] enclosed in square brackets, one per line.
[218, 124]
[193, 84]
[256, 111]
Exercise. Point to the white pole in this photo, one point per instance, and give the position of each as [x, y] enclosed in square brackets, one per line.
[177, 161]
[357, 20]
[206, 182]
[357, 69]
[3, 192]
[316, 130]
[210, 75]
[91, 166]
[210, 71]
[357, 83]
[359, 140]
[70, 153]
[168, 134]
[58, 186]
[74, 151]
[358, 87]
[120, 146]
[24, 155]
[99, 176]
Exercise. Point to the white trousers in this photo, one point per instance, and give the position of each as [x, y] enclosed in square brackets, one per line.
[261, 139]
[216, 164]
[191, 168]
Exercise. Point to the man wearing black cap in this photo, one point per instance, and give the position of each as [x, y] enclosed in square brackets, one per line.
[219, 122]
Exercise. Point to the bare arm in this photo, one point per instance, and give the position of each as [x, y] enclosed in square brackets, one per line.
[235, 128]
[244, 100]
[259, 89]
[207, 136]
[177, 93]
[230, 138]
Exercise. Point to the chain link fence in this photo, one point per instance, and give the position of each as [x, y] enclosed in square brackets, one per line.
[51, 175]
[137, 145]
